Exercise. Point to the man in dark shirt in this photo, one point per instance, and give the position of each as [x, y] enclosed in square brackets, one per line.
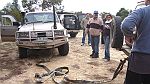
[106, 36]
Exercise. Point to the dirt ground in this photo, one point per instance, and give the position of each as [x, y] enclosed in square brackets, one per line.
[22, 71]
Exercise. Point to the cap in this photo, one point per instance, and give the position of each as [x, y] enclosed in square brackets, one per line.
[95, 12]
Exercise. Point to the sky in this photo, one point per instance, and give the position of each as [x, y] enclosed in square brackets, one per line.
[111, 6]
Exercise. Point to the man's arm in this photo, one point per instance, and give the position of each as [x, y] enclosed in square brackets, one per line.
[82, 23]
[88, 24]
[101, 24]
[130, 22]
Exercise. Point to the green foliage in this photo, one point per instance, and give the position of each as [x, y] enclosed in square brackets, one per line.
[12, 9]
[56, 2]
[16, 13]
[49, 3]
[45, 4]
[15, 4]
[122, 13]
[26, 4]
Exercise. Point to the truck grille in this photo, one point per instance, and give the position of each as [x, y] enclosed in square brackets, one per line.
[42, 34]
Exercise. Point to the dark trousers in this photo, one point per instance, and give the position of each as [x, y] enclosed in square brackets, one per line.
[102, 40]
[135, 78]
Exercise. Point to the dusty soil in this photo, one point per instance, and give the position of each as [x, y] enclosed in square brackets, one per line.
[22, 71]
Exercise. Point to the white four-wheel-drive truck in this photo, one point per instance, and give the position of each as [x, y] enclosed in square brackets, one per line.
[39, 30]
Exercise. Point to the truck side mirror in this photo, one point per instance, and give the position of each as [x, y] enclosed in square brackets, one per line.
[16, 24]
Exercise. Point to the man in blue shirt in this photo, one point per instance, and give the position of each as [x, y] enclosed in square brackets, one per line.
[138, 71]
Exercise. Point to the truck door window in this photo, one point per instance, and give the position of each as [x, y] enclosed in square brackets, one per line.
[6, 21]
[70, 22]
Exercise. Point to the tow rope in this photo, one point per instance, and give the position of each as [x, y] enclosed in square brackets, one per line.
[63, 71]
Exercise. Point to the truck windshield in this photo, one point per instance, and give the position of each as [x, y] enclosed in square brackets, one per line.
[39, 17]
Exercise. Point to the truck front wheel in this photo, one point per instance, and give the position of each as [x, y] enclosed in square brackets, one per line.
[64, 49]
[22, 52]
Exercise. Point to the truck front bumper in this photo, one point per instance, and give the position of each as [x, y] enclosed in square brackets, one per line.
[41, 44]
[69, 31]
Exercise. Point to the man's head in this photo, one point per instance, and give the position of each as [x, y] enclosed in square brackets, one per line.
[147, 2]
[90, 15]
[108, 17]
[87, 15]
[95, 14]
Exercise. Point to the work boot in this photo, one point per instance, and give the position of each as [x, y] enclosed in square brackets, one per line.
[92, 54]
[96, 55]
[107, 60]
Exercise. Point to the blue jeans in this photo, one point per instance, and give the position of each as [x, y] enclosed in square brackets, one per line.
[84, 36]
[107, 47]
[95, 44]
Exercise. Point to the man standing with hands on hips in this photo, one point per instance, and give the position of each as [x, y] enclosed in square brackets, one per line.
[95, 26]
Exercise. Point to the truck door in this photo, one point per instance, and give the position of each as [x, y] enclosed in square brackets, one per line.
[70, 22]
[8, 28]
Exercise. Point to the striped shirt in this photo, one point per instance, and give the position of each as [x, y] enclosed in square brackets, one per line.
[95, 26]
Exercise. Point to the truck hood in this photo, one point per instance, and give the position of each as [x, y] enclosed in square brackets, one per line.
[40, 27]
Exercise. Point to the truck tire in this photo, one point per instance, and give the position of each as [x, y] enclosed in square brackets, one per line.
[73, 35]
[22, 52]
[117, 40]
[64, 49]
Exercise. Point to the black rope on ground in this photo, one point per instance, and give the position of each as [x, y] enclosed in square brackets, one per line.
[59, 72]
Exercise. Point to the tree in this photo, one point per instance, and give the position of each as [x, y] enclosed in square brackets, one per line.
[46, 4]
[15, 4]
[27, 5]
[122, 13]
[12, 9]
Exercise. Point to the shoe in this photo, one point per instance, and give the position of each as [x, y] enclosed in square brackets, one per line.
[96, 55]
[92, 54]
[106, 60]
[82, 44]
[89, 44]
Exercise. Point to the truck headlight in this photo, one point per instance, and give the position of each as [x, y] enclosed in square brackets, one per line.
[33, 34]
[59, 32]
[22, 34]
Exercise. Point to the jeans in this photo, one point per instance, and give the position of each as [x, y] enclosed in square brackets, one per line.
[95, 43]
[107, 47]
[84, 36]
